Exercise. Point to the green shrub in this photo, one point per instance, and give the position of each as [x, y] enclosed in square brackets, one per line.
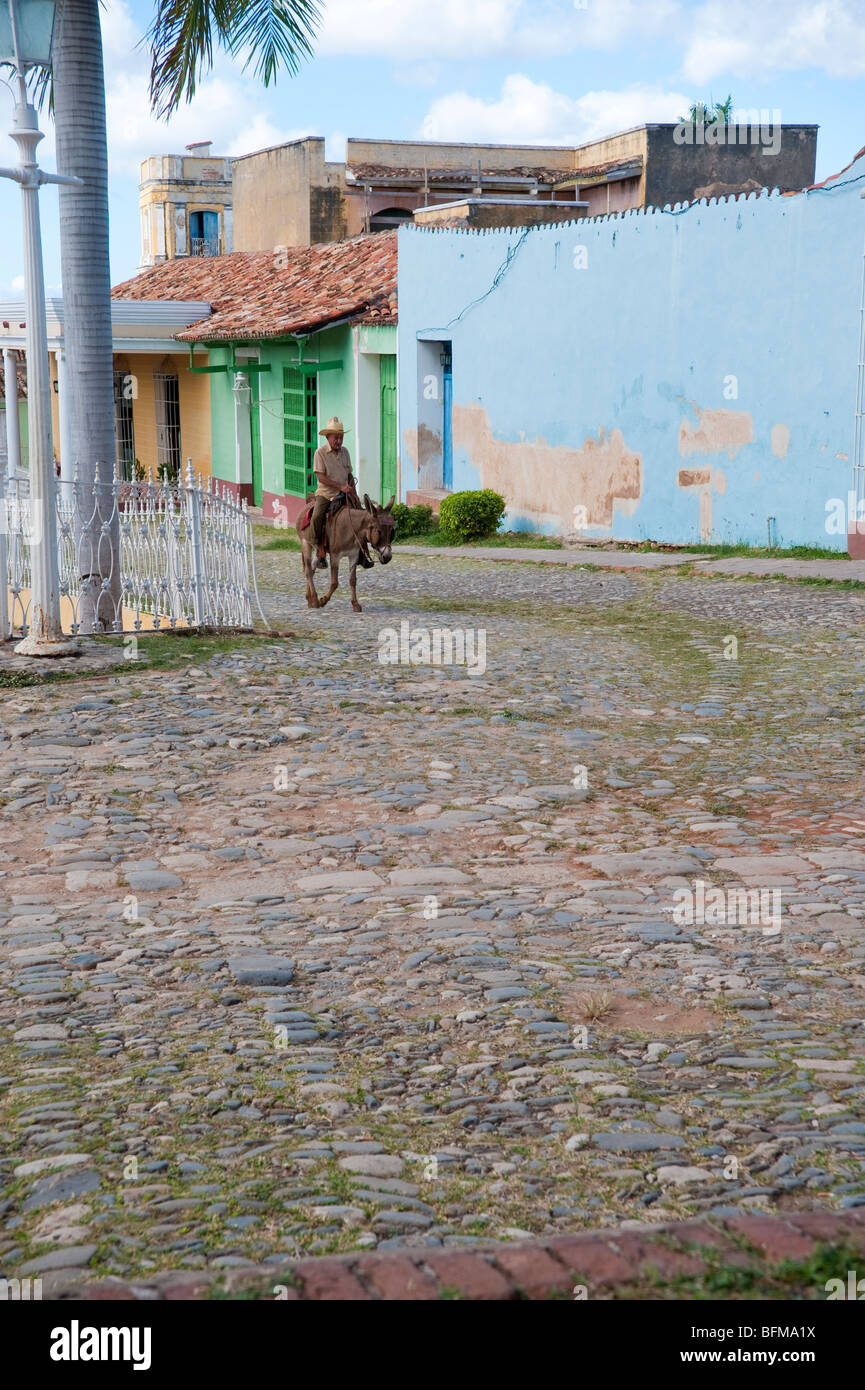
[463, 516]
[411, 521]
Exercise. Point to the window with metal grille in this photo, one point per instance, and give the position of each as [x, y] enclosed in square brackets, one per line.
[204, 233]
[166, 392]
[300, 430]
[124, 429]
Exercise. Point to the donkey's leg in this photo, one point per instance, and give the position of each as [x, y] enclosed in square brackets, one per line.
[352, 583]
[312, 599]
[334, 581]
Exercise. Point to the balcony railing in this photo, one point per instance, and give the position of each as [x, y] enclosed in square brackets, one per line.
[203, 246]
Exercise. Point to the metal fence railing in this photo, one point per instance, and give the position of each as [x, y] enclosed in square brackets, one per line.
[166, 555]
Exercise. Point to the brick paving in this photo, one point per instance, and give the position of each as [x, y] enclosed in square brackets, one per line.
[653, 1261]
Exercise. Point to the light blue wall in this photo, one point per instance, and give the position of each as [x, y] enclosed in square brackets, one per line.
[551, 362]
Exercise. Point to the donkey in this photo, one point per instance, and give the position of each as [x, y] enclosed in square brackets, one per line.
[345, 532]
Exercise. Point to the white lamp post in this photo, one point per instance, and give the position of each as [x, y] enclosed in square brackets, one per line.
[26, 34]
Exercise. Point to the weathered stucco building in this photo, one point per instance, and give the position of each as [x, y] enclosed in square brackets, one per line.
[185, 203]
[682, 376]
[289, 338]
[161, 410]
[292, 195]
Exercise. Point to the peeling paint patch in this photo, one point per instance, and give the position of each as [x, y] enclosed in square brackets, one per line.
[547, 482]
[409, 445]
[715, 431]
[780, 441]
[702, 481]
[694, 477]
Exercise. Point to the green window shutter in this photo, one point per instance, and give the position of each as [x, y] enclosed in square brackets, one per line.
[294, 431]
[300, 430]
[387, 477]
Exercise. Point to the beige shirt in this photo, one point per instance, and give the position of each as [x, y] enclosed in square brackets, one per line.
[336, 464]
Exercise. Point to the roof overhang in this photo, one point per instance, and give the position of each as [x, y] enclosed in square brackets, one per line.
[137, 325]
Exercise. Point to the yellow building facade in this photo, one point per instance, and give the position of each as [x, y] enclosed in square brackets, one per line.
[161, 407]
[185, 204]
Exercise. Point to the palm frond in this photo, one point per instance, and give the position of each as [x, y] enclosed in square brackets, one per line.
[181, 47]
[182, 36]
[38, 84]
[276, 32]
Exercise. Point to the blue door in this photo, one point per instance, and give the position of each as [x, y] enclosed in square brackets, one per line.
[204, 233]
[447, 418]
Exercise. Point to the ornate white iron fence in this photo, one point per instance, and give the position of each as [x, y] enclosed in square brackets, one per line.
[183, 556]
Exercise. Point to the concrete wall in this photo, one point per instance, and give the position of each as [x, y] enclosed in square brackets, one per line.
[287, 196]
[749, 158]
[681, 376]
[401, 154]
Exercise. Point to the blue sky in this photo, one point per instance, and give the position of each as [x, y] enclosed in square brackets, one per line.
[528, 71]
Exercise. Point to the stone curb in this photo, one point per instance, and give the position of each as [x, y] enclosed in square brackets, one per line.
[605, 1264]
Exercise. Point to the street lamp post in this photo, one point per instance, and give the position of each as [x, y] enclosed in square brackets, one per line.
[26, 41]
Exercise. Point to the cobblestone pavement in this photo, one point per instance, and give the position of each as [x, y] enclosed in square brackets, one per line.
[301, 953]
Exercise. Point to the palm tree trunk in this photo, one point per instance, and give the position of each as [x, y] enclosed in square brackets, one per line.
[79, 119]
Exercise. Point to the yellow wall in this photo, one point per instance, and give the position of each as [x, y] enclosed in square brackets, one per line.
[194, 392]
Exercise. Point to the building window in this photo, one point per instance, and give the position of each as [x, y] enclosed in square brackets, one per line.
[204, 233]
[166, 392]
[124, 429]
[300, 430]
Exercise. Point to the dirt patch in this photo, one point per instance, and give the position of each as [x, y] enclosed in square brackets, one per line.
[626, 1014]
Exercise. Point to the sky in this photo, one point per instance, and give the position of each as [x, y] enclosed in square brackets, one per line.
[510, 71]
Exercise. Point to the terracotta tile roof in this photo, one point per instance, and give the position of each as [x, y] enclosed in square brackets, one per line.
[596, 171]
[387, 173]
[270, 294]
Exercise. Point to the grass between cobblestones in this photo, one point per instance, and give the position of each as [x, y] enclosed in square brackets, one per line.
[640, 657]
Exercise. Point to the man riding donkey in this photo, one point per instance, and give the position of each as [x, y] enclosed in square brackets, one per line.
[347, 529]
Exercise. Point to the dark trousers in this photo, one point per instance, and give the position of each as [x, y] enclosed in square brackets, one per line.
[319, 515]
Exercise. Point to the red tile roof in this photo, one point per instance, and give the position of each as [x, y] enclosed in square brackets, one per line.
[271, 294]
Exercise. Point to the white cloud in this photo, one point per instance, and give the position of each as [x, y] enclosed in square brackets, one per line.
[532, 113]
[418, 75]
[470, 29]
[18, 280]
[261, 133]
[745, 39]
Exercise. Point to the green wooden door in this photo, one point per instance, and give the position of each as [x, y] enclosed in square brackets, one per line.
[255, 437]
[300, 430]
[387, 472]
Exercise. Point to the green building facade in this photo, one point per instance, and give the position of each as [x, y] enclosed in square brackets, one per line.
[270, 397]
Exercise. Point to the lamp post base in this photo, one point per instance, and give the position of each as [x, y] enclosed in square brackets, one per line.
[33, 645]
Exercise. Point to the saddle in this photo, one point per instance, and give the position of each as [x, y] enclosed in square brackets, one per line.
[336, 505]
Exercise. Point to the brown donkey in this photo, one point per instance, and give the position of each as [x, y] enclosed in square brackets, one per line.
[345, 532]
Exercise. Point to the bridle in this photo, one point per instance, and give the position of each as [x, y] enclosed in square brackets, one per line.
[358, 538]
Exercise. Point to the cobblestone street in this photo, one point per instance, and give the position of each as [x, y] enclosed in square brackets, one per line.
[302, 954]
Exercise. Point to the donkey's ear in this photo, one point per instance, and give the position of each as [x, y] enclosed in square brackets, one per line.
[367, 504]
[390, 503]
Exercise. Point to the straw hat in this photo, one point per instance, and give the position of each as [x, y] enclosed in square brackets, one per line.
[333, 426]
